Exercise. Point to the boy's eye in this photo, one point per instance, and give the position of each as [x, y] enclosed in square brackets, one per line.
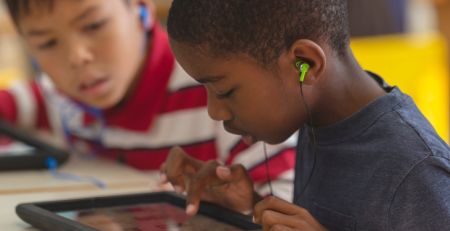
[226, 95]
[48, 44]
[95, 26]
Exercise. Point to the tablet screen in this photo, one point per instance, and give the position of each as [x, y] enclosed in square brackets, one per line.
[150, 217]
[10, 147]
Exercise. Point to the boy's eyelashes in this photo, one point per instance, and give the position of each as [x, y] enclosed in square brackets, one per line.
[95, 26]
[226, 95]
[89, 28]
[48, 44]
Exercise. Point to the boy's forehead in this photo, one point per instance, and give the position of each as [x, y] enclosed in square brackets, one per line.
[41, 7]
[196, 62]
[206, 68]
[35, 13]
[205, 59]
[203, 70]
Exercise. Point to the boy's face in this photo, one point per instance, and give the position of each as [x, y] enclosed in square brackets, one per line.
[91, 49]
[252, 102]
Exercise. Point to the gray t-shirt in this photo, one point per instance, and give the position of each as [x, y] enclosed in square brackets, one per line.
[383, 168]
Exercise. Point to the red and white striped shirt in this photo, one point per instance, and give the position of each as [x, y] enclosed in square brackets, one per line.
[167, 108]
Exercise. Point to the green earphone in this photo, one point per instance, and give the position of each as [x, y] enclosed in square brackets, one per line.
[303, 68]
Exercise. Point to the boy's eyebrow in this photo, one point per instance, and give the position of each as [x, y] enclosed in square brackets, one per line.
[211, 79]
[38, 32]
[84, 14]
[78, 18]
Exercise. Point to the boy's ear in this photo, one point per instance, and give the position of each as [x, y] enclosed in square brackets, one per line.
[150, 7]
[310, 52]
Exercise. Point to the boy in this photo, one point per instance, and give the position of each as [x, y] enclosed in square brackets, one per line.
[117, 91]
[380, 164]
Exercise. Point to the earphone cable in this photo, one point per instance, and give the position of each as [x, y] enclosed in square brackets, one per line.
[314, 143]
[51, 162]
[267, 169]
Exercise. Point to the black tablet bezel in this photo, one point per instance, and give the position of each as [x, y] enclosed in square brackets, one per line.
[35, 160]
[43, 215]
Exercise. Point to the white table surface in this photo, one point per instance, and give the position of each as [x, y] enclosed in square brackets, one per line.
[18, 187]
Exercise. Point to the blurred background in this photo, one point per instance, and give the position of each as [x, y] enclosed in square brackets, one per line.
[405, 41]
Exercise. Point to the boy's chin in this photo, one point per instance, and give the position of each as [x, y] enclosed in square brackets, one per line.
[102, 103]
[250, 140]
[275, 140]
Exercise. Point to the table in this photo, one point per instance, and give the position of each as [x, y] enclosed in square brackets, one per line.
[113, 174]
[37, 185]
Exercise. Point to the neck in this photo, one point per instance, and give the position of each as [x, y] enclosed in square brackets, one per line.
[344, 89]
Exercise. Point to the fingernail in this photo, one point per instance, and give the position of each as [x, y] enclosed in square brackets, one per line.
[190, 209]
[178, 189]
[253, 219]
[224, 171]
[163, 177]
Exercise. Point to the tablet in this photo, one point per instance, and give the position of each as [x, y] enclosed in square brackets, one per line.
[19, 150]
[161, 211]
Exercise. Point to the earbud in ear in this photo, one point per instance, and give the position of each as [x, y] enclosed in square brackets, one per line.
[303, 67]
[35, 64]
[145, 16]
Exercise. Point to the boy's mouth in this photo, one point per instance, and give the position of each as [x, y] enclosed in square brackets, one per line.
[94, 87]
[248, 139]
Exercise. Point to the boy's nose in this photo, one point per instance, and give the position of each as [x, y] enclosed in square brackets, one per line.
[217, 109]
[80, 56]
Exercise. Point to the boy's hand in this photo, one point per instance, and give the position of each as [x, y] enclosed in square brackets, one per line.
[230, 187]
[276, 214]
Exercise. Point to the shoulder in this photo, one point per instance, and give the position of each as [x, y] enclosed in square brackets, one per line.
[422, 201]
[412, 124]
[403, 126]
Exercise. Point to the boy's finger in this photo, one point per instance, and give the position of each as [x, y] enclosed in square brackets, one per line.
[163, 167]
[162, 187]
[278, 205]
[177, 156]
[232, 173]
[272, 220]
[280, 228]
[162, 172]
[203, 177]
[173, 168]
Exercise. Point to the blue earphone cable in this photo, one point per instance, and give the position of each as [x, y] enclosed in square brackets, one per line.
[52, 165]
[51, 162]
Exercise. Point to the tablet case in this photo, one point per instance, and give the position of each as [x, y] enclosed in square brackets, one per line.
[42, 215]
[33, 161]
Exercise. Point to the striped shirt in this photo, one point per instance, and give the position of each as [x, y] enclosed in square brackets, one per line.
[166, 109]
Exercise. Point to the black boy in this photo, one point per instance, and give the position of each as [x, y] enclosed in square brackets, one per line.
[380, 164]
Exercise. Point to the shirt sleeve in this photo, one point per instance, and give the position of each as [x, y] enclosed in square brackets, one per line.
[8, 110]
[22, 104]
[281, 161]
[422, 200]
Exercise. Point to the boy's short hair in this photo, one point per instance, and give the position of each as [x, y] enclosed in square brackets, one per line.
[261, 29]
[17, 6]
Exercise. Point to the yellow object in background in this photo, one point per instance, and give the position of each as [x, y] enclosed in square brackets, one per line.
[8, 76]
[417, 64]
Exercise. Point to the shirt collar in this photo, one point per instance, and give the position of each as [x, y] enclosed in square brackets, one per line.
[364, 118]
